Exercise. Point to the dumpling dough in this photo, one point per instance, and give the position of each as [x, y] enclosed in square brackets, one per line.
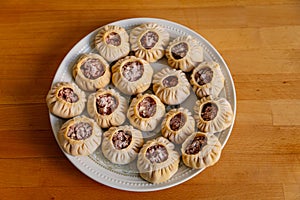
[107, 107]
[65, 100]
[112, 42]
[201, 150]
[122, 144]
[171, 86]
[184, 53]
[132, 75]
[157, 160]
[80, 136]
[178, 125]
[213, 114]
[145, 112]
[207, 79]
[149, 41]
[91, 72]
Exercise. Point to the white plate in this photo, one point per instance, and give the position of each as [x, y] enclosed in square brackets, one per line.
[126, 177]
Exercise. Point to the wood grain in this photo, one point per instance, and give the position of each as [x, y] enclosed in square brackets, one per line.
[259, 41]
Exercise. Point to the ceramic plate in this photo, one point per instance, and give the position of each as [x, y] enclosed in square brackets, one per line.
[126, 177]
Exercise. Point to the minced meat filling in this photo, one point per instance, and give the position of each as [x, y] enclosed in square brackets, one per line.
[80, 131]
[204, 76]
[106, 104]
[149, 40]
[92, 68]
[147, 107]
[68, 95]
[157, 154]
[177, 122]
[180, 50]
[113, 39]
[170, 81]
[196, 145]
[133, 71]
[209, 111]
[121, 139]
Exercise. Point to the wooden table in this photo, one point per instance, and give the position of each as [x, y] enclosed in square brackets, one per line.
[260, 42]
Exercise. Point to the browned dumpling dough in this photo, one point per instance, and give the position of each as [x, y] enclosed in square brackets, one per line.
[65, 100]
[145, 112]
[184, 53]
[207, 79]
[91, 72]
[178, 125]
[107, 107]
[171, 86]
[132, 75]
[112, 42]
[157, 160]
[149, 41]
[80, 136]
[201, 150]
[213, 114]
[122, 144]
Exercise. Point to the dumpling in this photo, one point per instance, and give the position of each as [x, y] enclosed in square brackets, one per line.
[213, 114]
[171, 86]
[178, 125]
[65, 100]
[184, 53]
[80, 136]
[107, 107]
[149, 41]
[145, 112]
[91, 72]
[207, 79]
[132, 75]
[201, 150]
[157, 160]
[112, 42]
[122, 144]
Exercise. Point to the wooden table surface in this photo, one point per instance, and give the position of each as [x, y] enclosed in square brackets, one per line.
[259, 40]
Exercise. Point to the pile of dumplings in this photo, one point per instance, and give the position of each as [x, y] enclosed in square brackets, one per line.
[124, 60]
